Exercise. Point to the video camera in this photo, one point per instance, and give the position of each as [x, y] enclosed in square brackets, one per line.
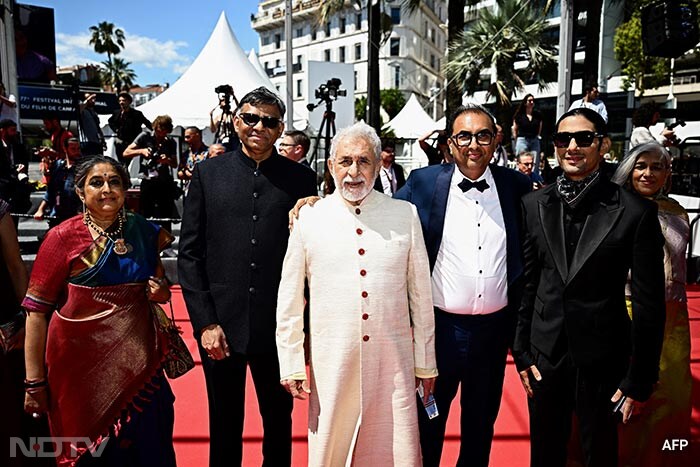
[331, 90]
[225, 92]
[328, 92]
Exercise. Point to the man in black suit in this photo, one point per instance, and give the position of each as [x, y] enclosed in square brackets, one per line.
[391, 177]
[126, 124]
[470, 214]
[576, 348]
[233, 241]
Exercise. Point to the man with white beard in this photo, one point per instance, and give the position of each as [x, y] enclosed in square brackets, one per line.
[371, 321]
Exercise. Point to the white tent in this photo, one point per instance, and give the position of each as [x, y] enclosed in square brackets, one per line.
[221, 61]
[412, 121]
[255, 61]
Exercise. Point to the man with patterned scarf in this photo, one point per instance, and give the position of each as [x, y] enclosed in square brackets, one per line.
[575, 346]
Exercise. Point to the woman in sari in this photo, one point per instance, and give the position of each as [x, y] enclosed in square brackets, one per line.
[95, 366]
[666, 415]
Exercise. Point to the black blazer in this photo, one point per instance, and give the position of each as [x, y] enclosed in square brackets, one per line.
[583, 303]
[232, 244]
[400, 178]
[428, 188]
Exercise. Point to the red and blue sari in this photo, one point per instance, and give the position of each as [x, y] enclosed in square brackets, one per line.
[103, 350]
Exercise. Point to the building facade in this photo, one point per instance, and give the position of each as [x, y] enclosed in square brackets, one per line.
[410, 59]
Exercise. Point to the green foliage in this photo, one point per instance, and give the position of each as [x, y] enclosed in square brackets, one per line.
[392, 101]
[118, 75]
[497, 40]
[360, 108]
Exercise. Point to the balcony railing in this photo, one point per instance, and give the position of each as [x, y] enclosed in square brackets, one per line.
[278, 13]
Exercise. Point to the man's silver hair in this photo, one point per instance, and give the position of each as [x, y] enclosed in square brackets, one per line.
[359, 130]
[623, 174]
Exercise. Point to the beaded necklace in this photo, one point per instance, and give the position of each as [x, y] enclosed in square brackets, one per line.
[120, 246]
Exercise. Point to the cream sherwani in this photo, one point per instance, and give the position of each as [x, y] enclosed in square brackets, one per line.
[371, 325]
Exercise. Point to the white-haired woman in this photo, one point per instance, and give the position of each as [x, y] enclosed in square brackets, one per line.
[647, 171]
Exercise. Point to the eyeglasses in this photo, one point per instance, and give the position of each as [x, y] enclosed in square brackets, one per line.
[464, 138]
[253, 119]
[285, 145]
[583, 138]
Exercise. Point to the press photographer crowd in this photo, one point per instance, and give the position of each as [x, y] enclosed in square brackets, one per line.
[376, 302]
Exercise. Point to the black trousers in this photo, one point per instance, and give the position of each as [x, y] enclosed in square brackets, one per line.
[563, 390]
[225, 381]
[157, 200]
[471, 351]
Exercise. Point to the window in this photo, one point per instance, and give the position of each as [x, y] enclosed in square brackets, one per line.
[358, 21]
[299, 59]
[313, 33]
[341, 54]
[299, 32]
[358, 51]
[265, 40]
[394, 46]
[395, 15]
[432, 61]
[355, 81]
[327, 55]
[278, 40]
[277, 63]
[327, 29]
[343, 23]
[397, 76]
[298, 88]
[432, 35]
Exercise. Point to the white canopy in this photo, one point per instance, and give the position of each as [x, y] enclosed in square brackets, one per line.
[221, 61]
[255, 61]
[412, 121]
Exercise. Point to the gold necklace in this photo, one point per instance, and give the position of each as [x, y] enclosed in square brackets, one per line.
[120, 246]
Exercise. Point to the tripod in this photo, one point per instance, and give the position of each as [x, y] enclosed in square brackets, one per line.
[327, 132]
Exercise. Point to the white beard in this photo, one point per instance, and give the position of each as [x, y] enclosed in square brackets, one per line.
[353, 195]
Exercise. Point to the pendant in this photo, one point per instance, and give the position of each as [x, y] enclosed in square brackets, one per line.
[120, 247]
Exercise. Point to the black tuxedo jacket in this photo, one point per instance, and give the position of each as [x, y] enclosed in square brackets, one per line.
[580, 307]
[232, 244]
[428, 189]
[400, 178]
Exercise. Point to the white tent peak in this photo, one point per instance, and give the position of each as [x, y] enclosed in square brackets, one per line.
[412, 121]
[221, 61]
[255, 61]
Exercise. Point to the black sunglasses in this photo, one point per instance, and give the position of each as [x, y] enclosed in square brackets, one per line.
[583, 138]
[464, 138]
[253, 119]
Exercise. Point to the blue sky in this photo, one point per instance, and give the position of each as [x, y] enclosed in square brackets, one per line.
[162, 37]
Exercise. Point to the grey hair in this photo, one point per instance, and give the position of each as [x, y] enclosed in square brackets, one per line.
[358, 130]
[623, 174]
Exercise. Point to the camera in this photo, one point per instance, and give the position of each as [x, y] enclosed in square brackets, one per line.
[330, 90]
[225, 91]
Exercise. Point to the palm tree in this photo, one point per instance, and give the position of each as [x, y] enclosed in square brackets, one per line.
[497, 40]
[118, 75]
[107, 39]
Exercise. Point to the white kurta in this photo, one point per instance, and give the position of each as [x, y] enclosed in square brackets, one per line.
[371, 324]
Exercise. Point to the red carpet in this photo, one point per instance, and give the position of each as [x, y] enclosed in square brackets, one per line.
[510, 446]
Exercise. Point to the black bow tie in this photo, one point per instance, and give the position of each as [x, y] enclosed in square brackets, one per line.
[467, 185]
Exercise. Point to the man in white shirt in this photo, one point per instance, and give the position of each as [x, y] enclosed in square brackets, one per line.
[591, 101]
[470, 215]
[391, 177]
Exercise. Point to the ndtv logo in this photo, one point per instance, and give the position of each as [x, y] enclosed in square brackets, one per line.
[47, 446]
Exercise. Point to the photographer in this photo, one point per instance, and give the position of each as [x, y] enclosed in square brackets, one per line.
[158, 154]
[440, 153]
[221, 124]
[126, 124]
[645, 116]
[93, 141]
[196, 153]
